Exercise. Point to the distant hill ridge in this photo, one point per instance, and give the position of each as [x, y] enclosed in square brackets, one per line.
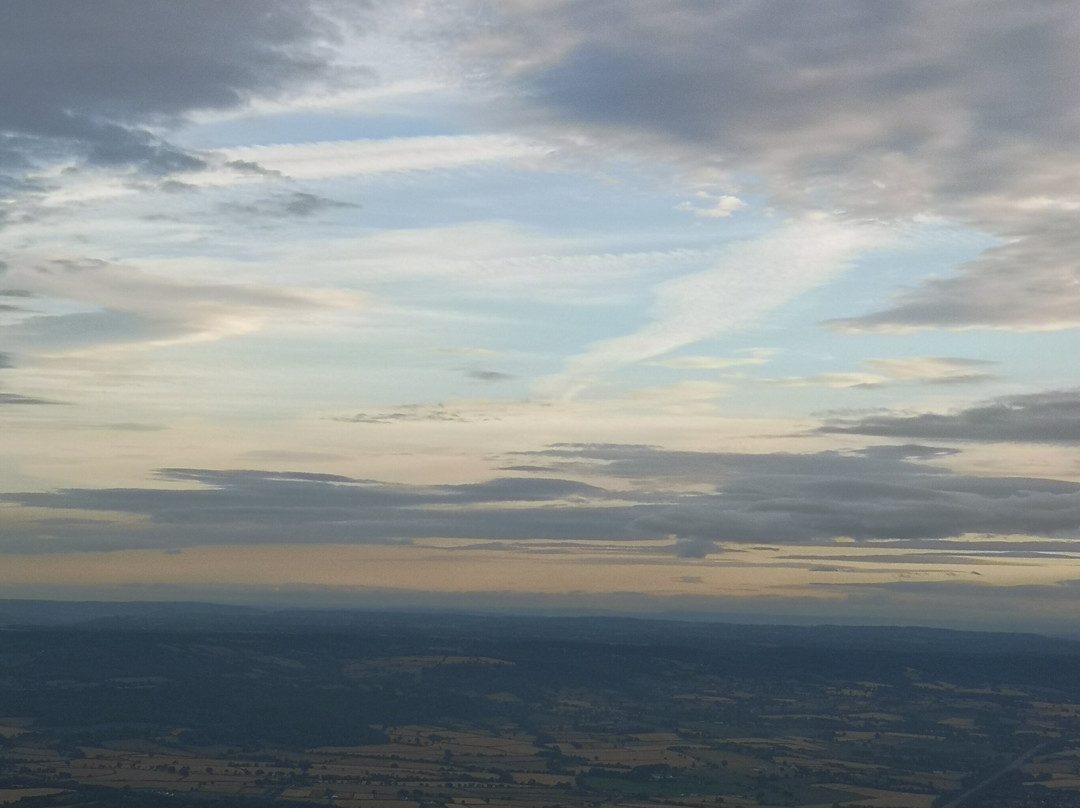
[66, 613]
[199, 616]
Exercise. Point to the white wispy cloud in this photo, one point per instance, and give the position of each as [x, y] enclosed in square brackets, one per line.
[747, 282]
[66, 185]
[897, 370]
[712, 206]
[836, 381]
[933, 369]
[755, 357]
[491, 259]
[126, 308]
[353, 158]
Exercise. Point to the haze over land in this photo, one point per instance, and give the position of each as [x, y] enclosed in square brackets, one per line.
[743, 308]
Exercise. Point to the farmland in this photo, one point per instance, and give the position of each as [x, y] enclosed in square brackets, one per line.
[399, 712]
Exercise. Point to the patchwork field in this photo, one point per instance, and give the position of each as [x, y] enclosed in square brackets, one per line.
[380, 721]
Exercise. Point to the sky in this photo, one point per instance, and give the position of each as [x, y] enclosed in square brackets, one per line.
[746, 309]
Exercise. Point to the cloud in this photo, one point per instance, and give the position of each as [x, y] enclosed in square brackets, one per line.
[709, 206]
[260, 507]
[681, 396]
[695, 547]
[131, 308]
[704, 362]
[650, 463]
[14, 399]
[292, 205]
[280, 163]
[839, 381]
[253, 168]
[959, 558]
[492, 260]
[901, 370]
[1027, 284]
[488, 375]
[250, 167]
[756, 357]
[698, 501]
[748, 281]
[876, 493]
[414, 413]
[128, 68]
[933, 369]
[313, 161]
[886, 111]
[1048, 417]
[6, 361]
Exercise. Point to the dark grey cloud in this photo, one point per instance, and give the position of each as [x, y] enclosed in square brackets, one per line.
[827, 88]
[1026, 284]
[415, 412]
[100, 79]
[243, 506]
[394, 417]
[488, 375]
[1016, 548]
[1048, 417]
[249, 167]
[292, 205]
[722, 73]
[971, 558]
[14, 399]
[300, 203]
[224, 479]
[880, 493]
[6, 361]
[876, 493]
[695, 547]
[881, 111]
[639, 461]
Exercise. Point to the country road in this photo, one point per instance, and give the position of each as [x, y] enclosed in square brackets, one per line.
[1013, 764]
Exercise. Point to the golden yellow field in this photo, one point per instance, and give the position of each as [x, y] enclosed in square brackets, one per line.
[10, 795]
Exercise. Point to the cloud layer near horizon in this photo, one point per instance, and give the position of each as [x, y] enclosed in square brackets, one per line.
[880, 492]
[1048, 417]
